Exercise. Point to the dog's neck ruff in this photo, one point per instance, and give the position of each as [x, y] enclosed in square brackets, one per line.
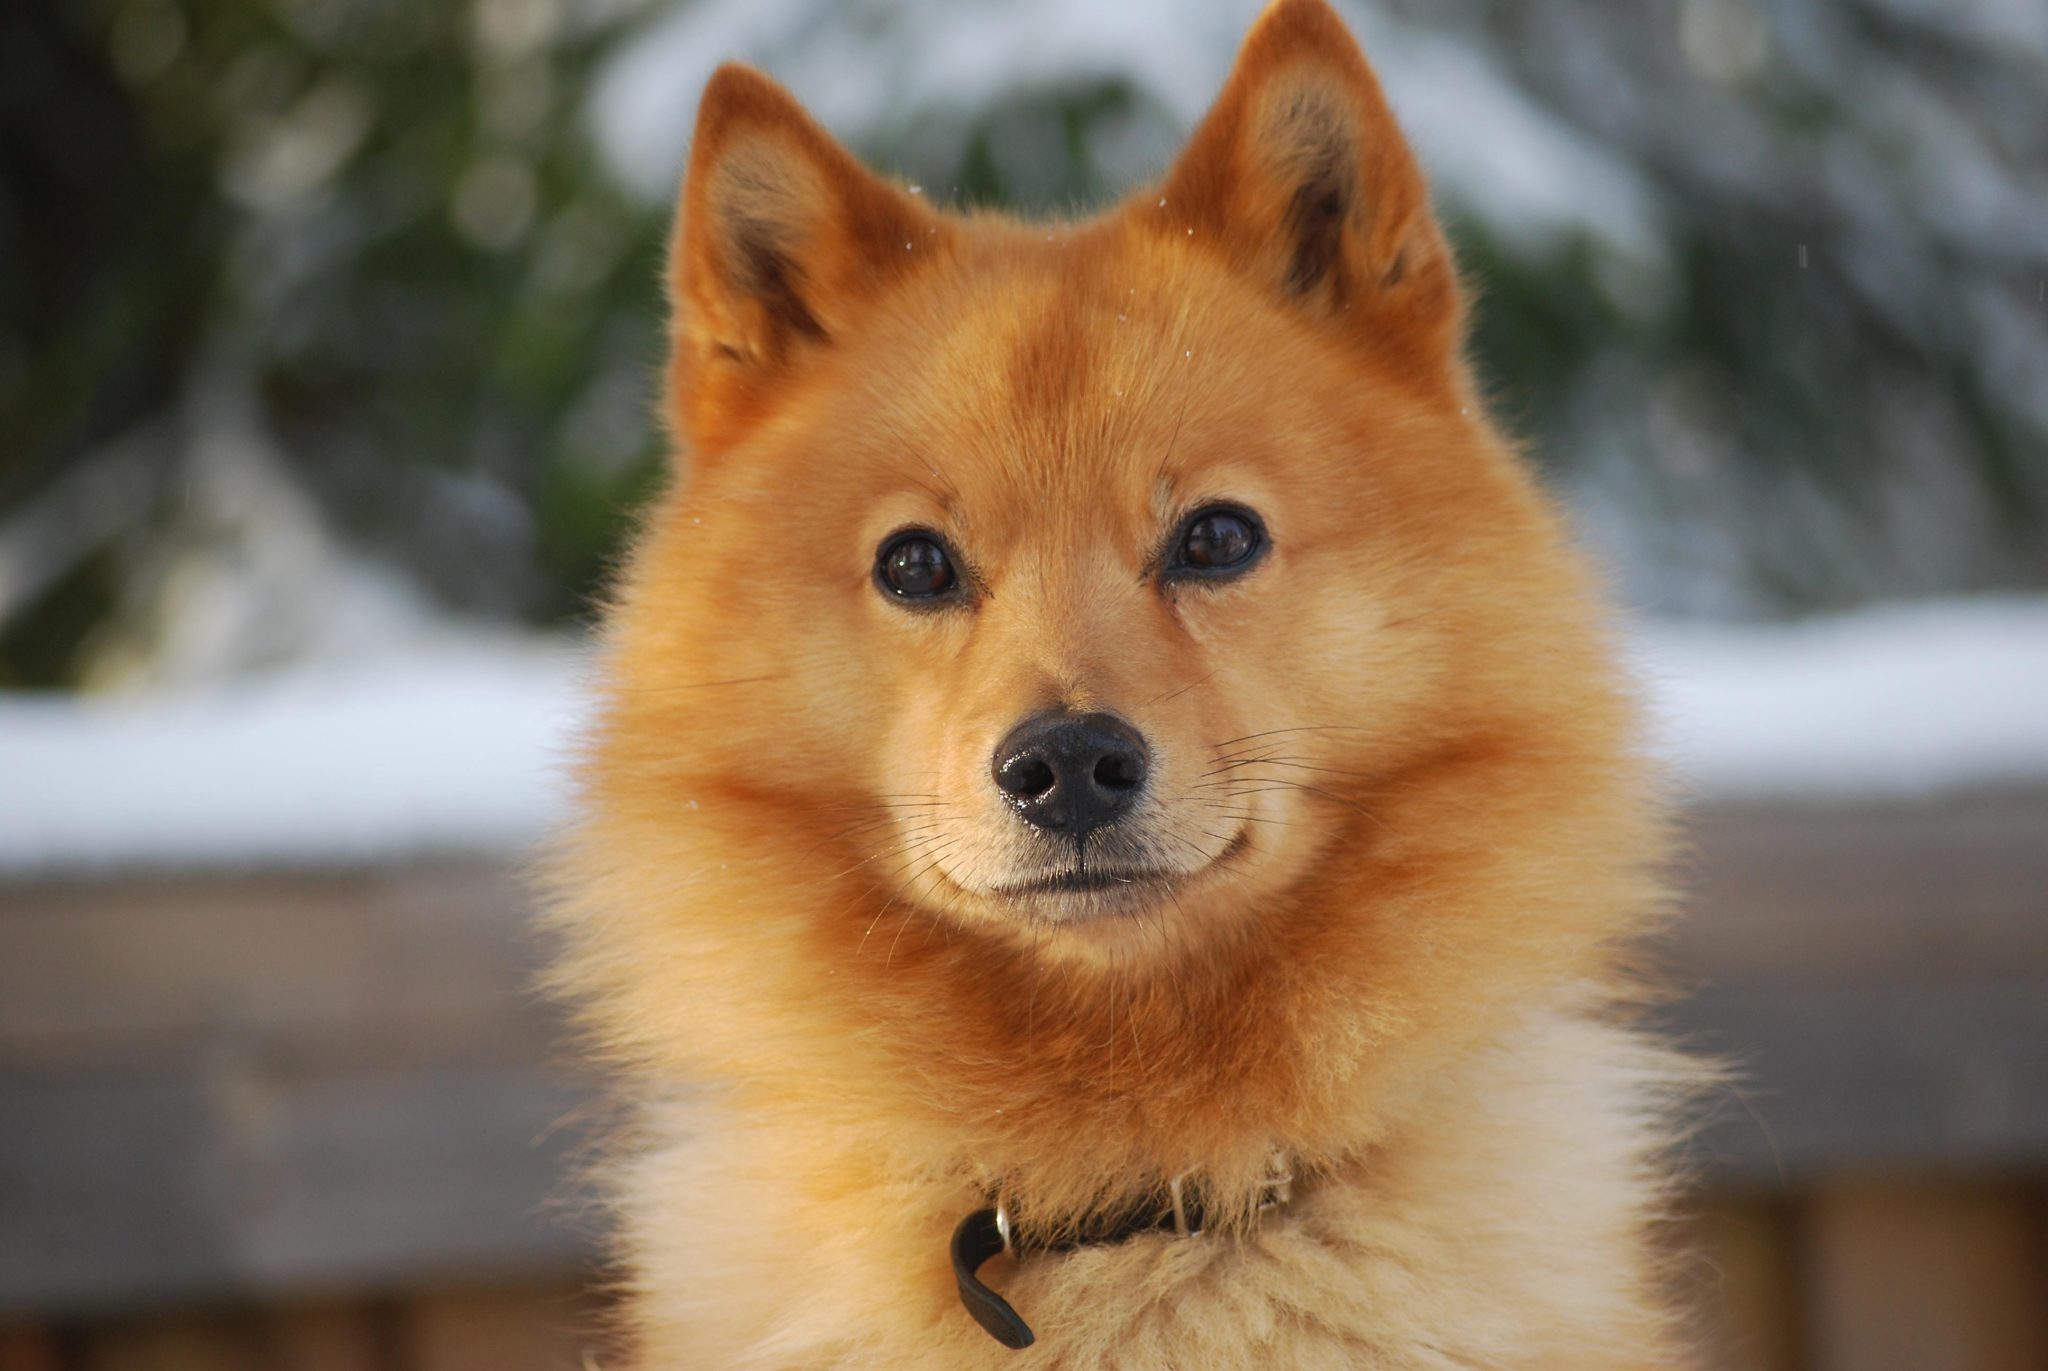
[1178, 1209]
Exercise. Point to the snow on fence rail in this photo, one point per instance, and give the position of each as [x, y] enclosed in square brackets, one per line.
[465, 749]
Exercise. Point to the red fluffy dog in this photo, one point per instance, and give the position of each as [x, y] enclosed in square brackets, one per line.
[1107, 754]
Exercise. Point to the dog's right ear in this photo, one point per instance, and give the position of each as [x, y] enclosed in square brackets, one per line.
[782, 236]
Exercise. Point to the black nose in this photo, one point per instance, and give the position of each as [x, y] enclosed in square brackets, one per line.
[1071, 773]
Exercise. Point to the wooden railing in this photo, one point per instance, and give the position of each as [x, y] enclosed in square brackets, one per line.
[315, 1120]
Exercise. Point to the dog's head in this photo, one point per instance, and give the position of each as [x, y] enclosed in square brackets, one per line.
[1085, 588]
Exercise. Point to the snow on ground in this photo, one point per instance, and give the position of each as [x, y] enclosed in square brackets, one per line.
[459, 749]
[1901, 701]
[463, 748]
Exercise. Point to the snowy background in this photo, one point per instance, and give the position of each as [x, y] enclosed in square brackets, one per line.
[328, 328]
[459, 746]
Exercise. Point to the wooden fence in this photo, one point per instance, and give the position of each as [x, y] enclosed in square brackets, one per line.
[321, 1122]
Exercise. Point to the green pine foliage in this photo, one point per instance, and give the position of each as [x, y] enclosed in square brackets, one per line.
[378, 234]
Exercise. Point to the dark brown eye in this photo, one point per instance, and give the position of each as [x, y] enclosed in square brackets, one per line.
[915, 566]
[1221, 539]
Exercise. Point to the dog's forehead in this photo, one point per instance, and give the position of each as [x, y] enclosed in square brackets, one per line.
[1057, 365]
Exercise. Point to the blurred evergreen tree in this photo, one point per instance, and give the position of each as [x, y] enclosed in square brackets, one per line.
[381, 223]
[380, 236]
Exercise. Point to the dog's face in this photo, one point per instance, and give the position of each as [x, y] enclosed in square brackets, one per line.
[1087, 585]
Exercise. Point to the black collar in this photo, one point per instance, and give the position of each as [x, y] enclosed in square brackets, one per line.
[982, 1234]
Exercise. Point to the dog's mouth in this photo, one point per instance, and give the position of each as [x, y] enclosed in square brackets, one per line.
[1112, 885]
[1079, 881]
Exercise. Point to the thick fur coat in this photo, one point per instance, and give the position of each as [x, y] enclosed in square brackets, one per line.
[1391, 853]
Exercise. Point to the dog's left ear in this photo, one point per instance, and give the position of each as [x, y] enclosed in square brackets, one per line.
[1300, 174]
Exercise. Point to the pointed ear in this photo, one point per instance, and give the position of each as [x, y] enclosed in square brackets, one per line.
[1301, 174]
[782, 238]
